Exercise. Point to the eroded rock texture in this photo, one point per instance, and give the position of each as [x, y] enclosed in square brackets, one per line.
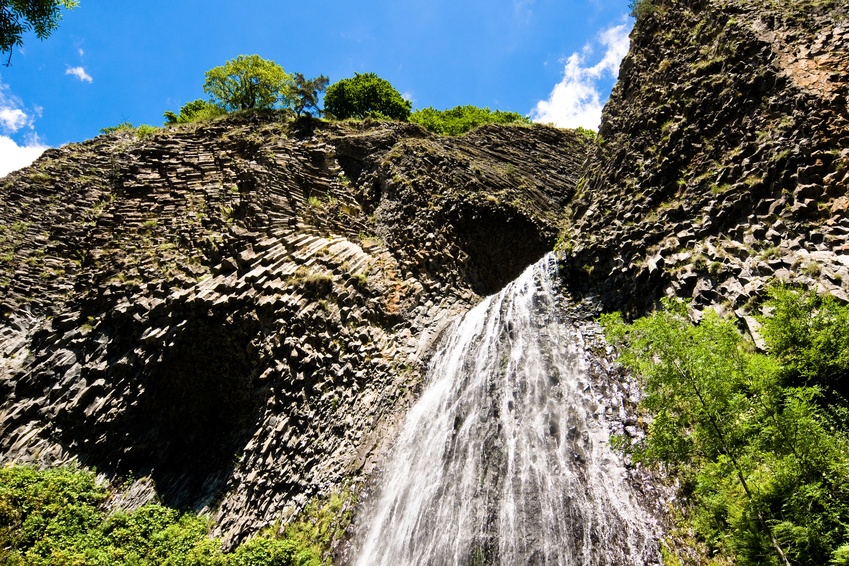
[725, 157]
[240, 309]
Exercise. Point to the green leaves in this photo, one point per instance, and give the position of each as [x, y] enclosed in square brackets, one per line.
[462, 119]
[363, 96]
[247, 82]
[20, 16]
[55, 517]
[194, 111]
[762, 453]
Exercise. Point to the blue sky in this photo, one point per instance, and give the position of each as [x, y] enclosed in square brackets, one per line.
[113, 61]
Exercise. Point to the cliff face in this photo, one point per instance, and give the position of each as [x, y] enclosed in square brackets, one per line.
[240, 309]
[724, 160]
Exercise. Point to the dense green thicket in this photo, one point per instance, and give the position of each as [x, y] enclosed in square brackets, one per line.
[462, 119]
[194, 111]
[365, 95]
[758, 441]
[54, 517]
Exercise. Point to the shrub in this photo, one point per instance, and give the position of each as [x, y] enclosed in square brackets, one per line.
[461, 119]
[122, 127]
[363, 96]
[55, 517]
[761, 455]
[195, 111]
[640, 9]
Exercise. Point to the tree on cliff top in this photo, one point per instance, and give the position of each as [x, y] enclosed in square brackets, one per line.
[20, 16]
[305, 93]
[366, 95]
[249, 81]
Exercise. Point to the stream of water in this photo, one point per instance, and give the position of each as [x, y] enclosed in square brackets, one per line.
[505, 458]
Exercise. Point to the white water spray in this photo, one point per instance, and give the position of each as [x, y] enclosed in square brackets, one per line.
[505, 457]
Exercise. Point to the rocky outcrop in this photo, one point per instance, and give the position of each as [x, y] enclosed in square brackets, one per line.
[239, 310]
[724, 158]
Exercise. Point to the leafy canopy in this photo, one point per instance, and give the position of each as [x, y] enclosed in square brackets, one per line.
[761, 454]
[20, 16]
[366, 95]
[248, 82]
[462, 119]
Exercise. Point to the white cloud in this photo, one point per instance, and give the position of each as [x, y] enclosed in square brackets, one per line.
[80, 73]
[14, 156]
[12, 115]
[576, 101]
[13, 118]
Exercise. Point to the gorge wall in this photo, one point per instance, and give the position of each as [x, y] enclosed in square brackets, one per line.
[724, 158]
[239, 310]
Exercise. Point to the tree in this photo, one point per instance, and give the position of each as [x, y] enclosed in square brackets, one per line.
[20, 16]
[365, 95]
[194, 111]
[249, 81]
[305, 92]
[763, 462]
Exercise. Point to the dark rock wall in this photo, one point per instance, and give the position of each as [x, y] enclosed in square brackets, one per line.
[240, 310]
[724, 160]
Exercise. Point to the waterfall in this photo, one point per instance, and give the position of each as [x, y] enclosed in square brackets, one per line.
[505, 458]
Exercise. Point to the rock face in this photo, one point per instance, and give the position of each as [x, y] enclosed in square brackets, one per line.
[724, 160]
[239, 310]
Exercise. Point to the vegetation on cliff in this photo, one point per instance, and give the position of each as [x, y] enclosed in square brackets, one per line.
[461, 119]
[57, 517]
[758, 441]
[366, 95]
[249, 81]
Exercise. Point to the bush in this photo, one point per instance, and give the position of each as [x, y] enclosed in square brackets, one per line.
[195, 111]
[762, 459]
[122, 127]
[640, 9]
[53, 517]
[462, 119]
[365, 96]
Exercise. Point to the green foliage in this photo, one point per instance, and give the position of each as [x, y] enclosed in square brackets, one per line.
[194, 111]
[363, 96]
[54, 517]
[146, 130]
[248, 81]
[462, 119]
[122, 127]
[305, 93]
[587, 134]
[641, 9]
[20, 16]
[763, 461]
[809, 334]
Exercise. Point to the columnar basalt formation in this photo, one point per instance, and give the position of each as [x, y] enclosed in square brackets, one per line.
[724, 157]
[239, 310]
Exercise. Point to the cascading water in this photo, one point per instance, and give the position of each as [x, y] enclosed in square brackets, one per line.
[505, 459]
